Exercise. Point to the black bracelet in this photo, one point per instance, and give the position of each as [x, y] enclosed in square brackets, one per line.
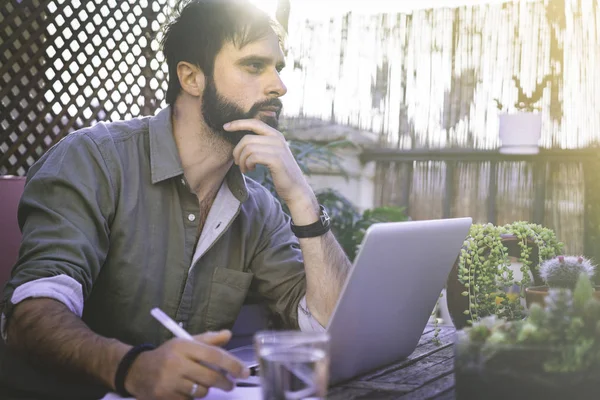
[125, 364]
[319, 228]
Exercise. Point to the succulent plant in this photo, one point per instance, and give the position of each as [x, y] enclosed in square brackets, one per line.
[484, 267]
[559, 302]
[563, 271]
[567, 329]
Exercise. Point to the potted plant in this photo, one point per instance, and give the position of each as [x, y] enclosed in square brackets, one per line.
[552, 354]
[520, 132]
[482, 281]
[559, 272]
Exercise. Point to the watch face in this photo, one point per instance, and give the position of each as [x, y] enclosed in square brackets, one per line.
[325, 219]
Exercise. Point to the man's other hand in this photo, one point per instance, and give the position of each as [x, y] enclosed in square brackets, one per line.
[174, 369]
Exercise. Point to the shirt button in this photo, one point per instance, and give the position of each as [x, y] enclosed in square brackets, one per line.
[191, 217]
[183, 181]
[180, 324]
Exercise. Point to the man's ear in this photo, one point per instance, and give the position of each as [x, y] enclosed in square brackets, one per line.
[191, 78]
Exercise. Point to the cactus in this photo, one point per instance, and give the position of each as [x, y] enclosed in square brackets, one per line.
[559, 304]
[563, 271]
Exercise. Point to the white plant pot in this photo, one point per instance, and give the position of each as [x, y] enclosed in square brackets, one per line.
[520, 133]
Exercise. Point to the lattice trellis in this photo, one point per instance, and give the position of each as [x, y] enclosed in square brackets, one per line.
[66, 64]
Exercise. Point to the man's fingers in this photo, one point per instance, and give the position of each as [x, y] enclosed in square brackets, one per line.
[206, 376]
[216, 357]
[187, 386]
[252, 155]
[254, 125]
[219, 338]
[253, 140]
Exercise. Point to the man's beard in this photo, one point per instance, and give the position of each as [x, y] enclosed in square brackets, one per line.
[217, 111]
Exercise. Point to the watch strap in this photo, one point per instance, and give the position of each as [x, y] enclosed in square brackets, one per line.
[318, 228]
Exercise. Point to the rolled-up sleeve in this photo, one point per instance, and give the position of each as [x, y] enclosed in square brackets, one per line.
[278, 266]
[64, 215]
[306, 321]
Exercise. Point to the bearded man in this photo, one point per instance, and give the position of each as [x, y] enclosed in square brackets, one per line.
[126, 216]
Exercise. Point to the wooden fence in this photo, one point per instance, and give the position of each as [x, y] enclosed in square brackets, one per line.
[555, 188]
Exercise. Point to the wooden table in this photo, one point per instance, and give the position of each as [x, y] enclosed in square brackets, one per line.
[428, 373]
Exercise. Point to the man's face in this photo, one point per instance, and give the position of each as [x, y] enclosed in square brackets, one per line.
[218, 110]
[245, 84]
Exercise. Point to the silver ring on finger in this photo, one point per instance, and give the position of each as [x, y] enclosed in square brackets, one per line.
[194, 390]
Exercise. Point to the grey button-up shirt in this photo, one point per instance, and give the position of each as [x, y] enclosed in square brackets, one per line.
[110, 228]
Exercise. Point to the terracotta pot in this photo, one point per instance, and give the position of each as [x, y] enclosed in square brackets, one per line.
[537, 294]
[457, 303]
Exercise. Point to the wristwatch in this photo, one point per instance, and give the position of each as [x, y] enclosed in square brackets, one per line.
[319, 228]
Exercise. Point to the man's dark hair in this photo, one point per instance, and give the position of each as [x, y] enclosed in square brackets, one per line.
[202, 27]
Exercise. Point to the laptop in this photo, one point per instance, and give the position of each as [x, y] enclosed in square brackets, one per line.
[394, 284]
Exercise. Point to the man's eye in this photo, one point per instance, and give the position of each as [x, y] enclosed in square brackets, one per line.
[255, 67]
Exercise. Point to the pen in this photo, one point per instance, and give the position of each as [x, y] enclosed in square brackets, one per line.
[171, 325]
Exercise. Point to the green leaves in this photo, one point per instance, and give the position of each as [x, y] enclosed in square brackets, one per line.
[584, 291]
[484, 267]
[536, 314]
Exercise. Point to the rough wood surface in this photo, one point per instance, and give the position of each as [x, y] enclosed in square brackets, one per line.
[426, 374]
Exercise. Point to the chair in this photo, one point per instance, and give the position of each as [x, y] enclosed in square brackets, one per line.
[11, 189]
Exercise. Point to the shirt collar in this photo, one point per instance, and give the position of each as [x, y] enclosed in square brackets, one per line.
[164, 158]
[165, 161]
[237, 183]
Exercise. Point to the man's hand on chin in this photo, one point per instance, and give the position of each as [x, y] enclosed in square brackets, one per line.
[269, 148]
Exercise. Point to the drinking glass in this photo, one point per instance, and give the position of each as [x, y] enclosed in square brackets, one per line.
[294, 365]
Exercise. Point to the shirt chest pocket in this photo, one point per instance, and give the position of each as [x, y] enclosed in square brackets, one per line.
[229, 289]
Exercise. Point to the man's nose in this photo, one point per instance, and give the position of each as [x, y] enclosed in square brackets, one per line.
[276, 87]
